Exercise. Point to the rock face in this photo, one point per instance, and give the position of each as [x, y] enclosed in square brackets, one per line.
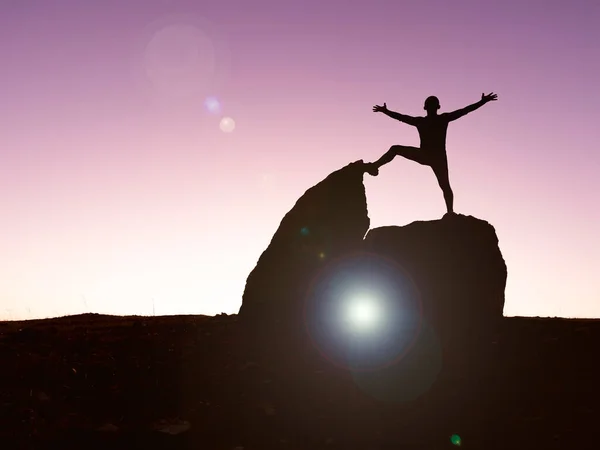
[455, 262]
[327, 221]
[458, 268]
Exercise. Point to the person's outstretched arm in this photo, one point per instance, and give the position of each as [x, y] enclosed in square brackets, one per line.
[466, 110]
[394, 115]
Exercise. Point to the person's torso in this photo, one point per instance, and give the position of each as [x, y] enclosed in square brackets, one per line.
[432, 131]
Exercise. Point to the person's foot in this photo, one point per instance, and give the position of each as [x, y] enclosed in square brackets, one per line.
[372, 169]
[450, 214]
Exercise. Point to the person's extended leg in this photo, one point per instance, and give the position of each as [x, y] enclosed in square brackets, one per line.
[412, 153]
[440, 169]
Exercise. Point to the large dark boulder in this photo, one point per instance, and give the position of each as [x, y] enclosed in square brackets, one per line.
[458, 268]
[329, 220]
[438, 284]
[454, 263]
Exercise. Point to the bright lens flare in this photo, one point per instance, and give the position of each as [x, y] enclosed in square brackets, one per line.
[456, 440]
[180, 60]
[227, 125]
[212, 105]
[363, 313]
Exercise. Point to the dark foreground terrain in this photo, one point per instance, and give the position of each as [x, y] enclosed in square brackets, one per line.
[95, 381]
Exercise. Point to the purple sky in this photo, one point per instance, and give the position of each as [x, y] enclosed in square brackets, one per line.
[120, 193]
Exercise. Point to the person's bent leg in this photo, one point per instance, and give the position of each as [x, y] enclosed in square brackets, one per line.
[440, 170]
[407, 152]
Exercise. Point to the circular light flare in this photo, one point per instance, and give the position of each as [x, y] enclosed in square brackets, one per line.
[363, 314]
[212, 104]
[180, 60]
[456, 440]
[227, 125]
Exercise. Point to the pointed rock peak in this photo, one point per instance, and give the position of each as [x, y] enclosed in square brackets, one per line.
[327, 221]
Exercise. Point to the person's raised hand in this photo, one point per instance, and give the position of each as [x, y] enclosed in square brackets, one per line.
[378, 108]
[489, 98]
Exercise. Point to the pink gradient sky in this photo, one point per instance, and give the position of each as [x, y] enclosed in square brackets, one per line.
[120, 194]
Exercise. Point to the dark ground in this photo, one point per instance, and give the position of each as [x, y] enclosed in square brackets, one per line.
[63, 379]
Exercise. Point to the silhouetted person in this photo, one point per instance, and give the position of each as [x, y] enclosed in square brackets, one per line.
[432, 131]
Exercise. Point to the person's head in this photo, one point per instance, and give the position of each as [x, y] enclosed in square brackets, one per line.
[432, 104]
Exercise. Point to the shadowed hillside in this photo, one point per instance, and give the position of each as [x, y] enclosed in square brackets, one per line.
[64, 380]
